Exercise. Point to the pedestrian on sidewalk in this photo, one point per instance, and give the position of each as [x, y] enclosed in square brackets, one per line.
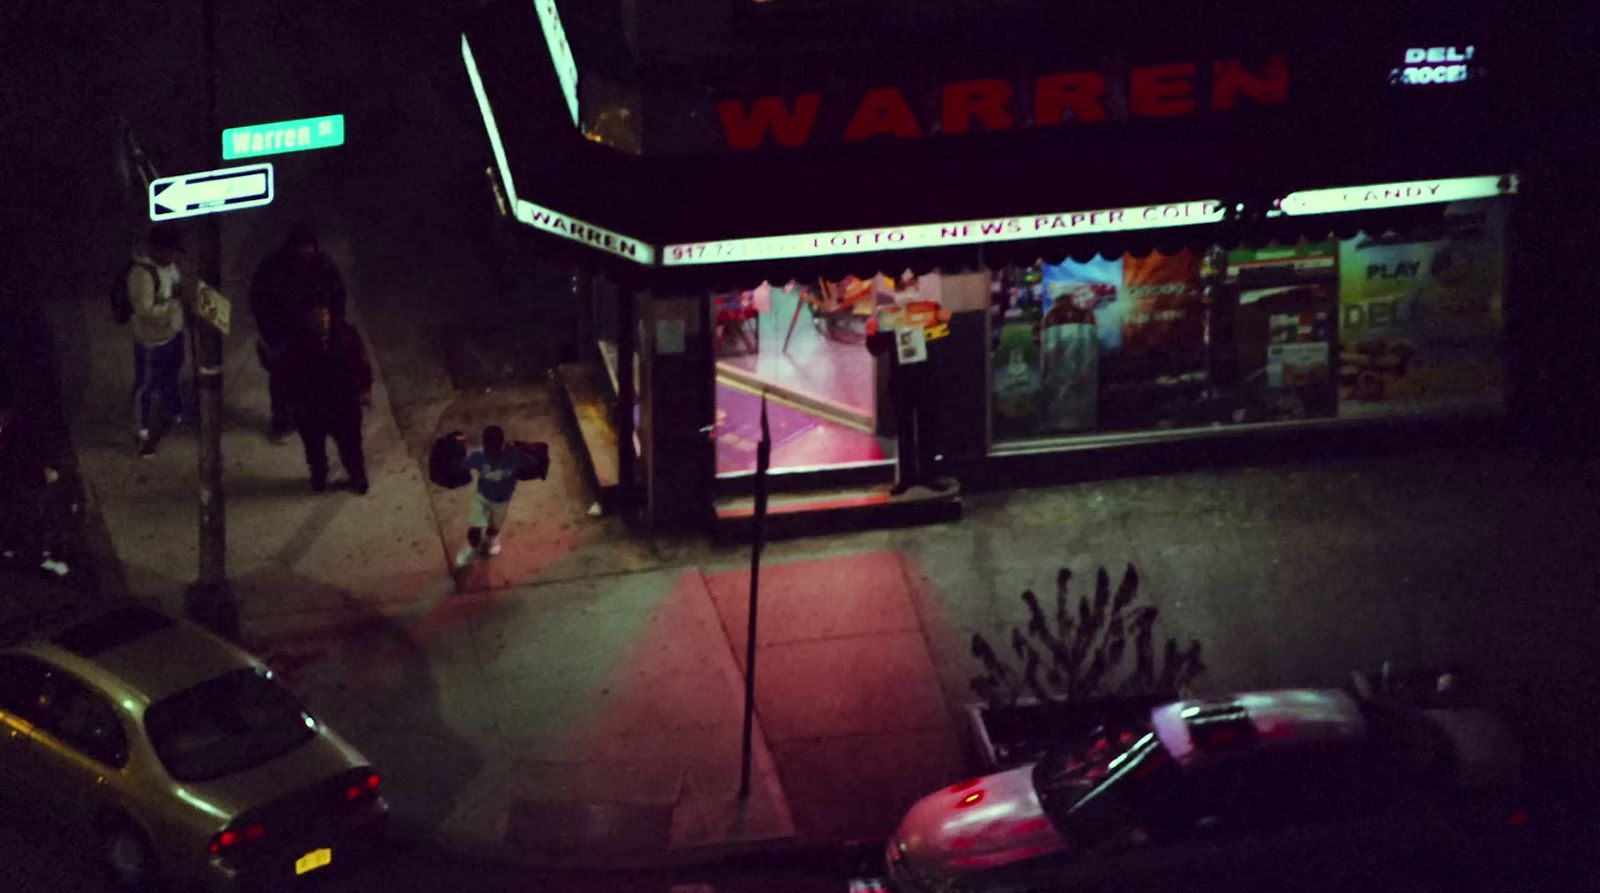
[290, 281]
[499, 466]
[156, 297]
[327, 380]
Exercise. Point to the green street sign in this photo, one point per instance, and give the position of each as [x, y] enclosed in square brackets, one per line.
[283, 136]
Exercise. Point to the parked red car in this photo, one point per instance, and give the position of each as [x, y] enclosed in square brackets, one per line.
[1160, 800]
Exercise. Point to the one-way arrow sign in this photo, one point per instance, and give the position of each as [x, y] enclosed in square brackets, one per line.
[209, 192]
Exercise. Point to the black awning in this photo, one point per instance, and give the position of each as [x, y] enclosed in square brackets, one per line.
[666, 201]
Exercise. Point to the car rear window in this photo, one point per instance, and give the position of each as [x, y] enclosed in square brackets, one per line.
[230, 724]
[102, 633]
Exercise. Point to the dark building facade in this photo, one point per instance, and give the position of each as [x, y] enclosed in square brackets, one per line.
[1093, 228]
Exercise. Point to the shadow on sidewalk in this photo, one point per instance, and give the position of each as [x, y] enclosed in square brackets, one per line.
[371, 677]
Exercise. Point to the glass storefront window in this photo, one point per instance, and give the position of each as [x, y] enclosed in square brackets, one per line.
[1375, 325]
[1420, 316]
[1108, 344]
[803, 345]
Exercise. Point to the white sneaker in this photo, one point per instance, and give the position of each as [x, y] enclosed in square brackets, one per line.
[465, 556]
[494, 545]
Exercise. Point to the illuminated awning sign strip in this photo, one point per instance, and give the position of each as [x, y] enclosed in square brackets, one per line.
[1394, 195]
[555, 36]
[929, 235]
[488, 120]
[540, 217]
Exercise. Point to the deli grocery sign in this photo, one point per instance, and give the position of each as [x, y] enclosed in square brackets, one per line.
[929, 235]
[1090, 97]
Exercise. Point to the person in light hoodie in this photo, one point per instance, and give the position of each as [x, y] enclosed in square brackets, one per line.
[155, 293]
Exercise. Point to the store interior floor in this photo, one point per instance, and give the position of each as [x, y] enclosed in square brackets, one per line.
[821, 402]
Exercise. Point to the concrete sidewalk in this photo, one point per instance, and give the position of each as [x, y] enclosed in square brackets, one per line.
[593, 721]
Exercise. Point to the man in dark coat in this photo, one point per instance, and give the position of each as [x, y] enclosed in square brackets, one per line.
[327, 379]
[912, 391]
[289, 282]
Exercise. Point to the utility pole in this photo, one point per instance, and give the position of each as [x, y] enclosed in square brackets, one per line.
[209, 600]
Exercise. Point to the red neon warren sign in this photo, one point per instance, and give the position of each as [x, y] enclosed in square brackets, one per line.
[1152, 91]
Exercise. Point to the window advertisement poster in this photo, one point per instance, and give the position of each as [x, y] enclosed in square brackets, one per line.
[1157, 374]
[1016, 381]
[1017, 297]
[1420, 316]
[1076, 295]
[1284, 330]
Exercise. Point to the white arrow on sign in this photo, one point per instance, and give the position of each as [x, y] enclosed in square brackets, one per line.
[210, 192]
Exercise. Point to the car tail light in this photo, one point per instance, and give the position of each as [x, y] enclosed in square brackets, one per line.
[229, 838]
[1518, 818]
[362, 788]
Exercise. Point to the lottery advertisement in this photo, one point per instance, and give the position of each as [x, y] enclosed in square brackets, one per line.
[1420, 318]
[1284, 331]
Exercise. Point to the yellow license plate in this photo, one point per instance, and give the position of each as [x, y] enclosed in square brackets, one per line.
[313, 860]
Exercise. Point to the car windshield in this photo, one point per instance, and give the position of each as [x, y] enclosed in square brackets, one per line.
[230, 724]
[1086, 763]
[1095, 788]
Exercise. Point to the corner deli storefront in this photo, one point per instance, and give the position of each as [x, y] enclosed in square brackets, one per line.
[1104, 246]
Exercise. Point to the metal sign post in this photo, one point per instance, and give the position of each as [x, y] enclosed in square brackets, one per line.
[209, 600]
[763, 461]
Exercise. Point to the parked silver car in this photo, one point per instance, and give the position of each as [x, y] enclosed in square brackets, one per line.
[180, 753]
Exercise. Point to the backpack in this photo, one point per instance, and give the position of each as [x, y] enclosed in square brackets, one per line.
[536, 460]
[121, 303]
[444, 462]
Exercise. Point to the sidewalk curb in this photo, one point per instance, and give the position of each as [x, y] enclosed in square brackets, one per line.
[689, 857]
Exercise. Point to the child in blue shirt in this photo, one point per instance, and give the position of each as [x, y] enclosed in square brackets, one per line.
[497, 465]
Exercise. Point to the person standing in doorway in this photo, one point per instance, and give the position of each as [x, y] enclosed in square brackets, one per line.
[327, 380]
[907, 340]
[156, 297]
[289, 282]
[497, 465]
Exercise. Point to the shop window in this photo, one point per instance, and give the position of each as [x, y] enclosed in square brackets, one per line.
[803, 345]
[1406, 323]
[1277, 328]
[1107, 344]
[1421, 318]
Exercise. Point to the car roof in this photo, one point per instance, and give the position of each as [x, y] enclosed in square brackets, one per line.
[135, 652]
[1195, 729]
